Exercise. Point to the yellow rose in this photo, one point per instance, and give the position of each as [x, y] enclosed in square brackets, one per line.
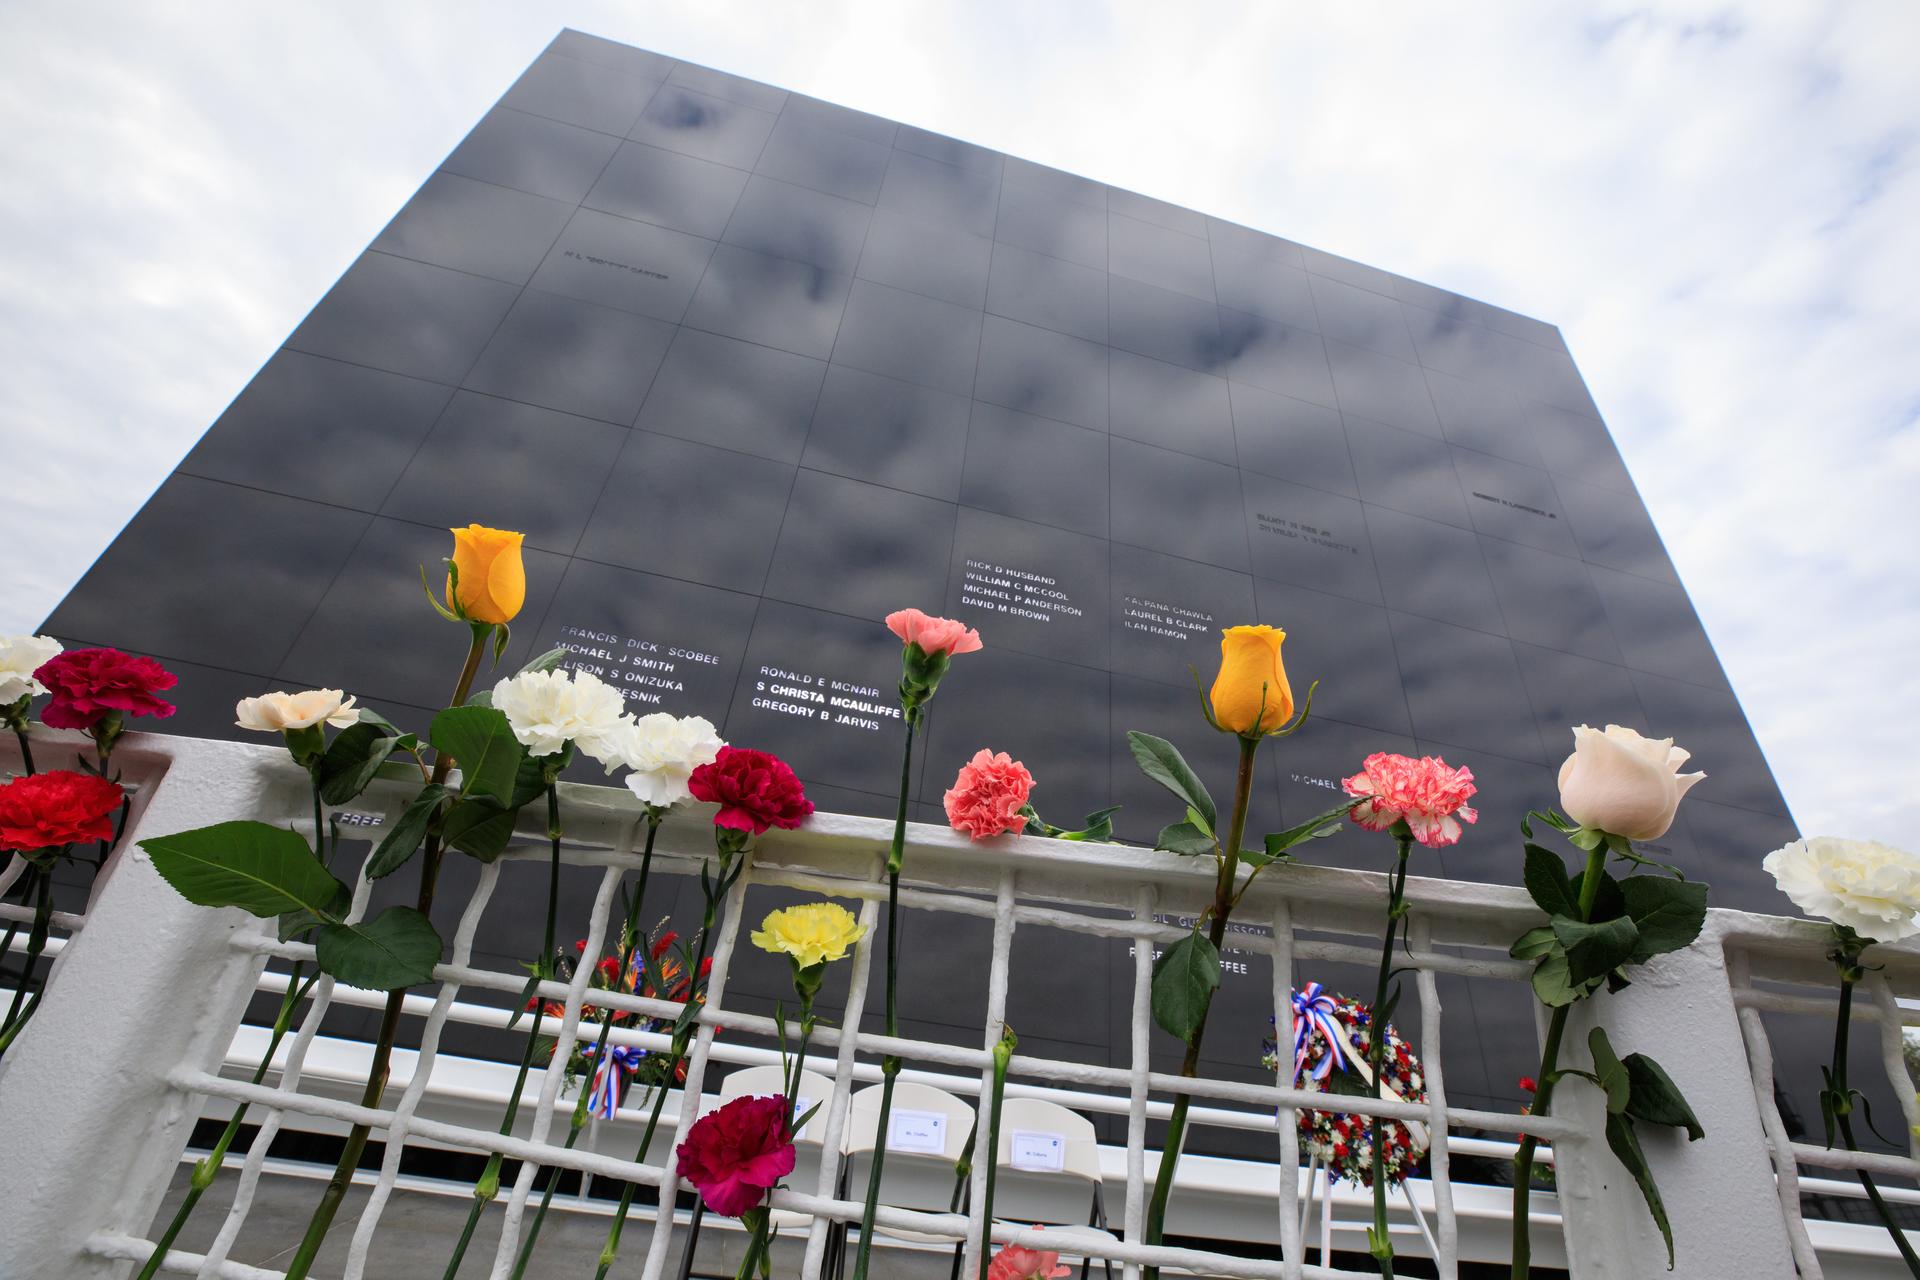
[809, 934]
[492, 579]
[1252, 684]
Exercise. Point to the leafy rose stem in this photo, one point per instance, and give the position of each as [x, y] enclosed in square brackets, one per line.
[1378, 1242]
[489, 1184]
[683, 1033]
[577, 1123]
[1522, 1253]
[890, 1064]
[1839, 1098]
[1223, 899]
[208, 1167]
[323, 1213]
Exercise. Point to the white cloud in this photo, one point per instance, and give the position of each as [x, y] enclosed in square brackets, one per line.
[1714, 201]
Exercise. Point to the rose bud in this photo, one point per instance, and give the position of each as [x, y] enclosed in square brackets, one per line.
[1622, 783]
[1251, 695]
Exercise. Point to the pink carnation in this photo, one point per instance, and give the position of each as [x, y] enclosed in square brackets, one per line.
[933, 635]
[1428, 793]
[1017, 1262]
[987, 796]
[88, 684]
[733, 1156]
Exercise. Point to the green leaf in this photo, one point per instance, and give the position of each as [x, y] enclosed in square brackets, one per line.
[479, 827]
[1547, 883]
[397, 948]
[1626, 1146]
[1552, 983]
[547, 661]
[1668, 913]
[1655, 1098]
[1534, 943]
[529, 782]
[257, 867]
[1162, 761]
[1183, 838]
[1096, 827]
[1315, 828]
[407, 831]
[292, 924]
[1595, 949]
[1586, 838]
[482, 742]
[1608, 1071]
[355, 756]
[1184, 980]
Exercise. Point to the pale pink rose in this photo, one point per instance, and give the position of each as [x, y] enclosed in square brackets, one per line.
[1622, 783]
[987, 796]
[1017, 1262]
[933, 635]
[1429, 793]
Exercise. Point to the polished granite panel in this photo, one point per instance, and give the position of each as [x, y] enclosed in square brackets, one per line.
[752, 370]
[346, 430]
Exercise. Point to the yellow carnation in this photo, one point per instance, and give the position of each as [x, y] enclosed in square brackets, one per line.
[809, 934]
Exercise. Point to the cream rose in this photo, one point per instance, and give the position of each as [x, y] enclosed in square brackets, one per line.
[549, 709]
[663, 751]
[1622, 783]
[1871, 888]
[20, 657]
[281, 712]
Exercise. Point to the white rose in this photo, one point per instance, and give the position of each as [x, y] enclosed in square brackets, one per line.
[663, 751]
[20, 657]
[1622, 783]
[279, 712]
[1871, 888]
[549, 709]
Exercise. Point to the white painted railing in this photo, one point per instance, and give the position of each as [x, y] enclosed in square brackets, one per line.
[140, 1031]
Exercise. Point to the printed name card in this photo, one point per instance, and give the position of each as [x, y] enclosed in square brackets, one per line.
[1039, 1152]
[800, 1104]
[923, 1131]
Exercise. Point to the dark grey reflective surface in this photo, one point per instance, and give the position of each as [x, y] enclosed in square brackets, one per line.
[752, 370]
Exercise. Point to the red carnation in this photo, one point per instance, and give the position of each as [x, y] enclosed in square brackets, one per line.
[734, 1155]
[753, 789]
[87, 684]
[58, 808]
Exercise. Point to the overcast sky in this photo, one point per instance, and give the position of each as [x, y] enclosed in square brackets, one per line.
[1718, 203]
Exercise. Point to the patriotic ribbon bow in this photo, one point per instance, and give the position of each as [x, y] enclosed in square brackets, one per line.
[1313, 1007]
[610, 1077]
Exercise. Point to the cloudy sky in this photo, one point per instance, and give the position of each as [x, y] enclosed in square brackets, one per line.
[1718, 203]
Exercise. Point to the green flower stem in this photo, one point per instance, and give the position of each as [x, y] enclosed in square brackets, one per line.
[1841, 1099]
[1002, 1055]
[1378, 1241]
[206, 1169]
[682, 1034]
[890, 1064]
[1522, 1253]
[26, 746]
[36, 943]
[757, 1221]
[577, 1123]
[489, 1184]
[1223, 899]
[377, 1070]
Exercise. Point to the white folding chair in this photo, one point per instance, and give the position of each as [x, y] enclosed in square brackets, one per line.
[927, 1131]
[767, 1081]
[1049, 1165]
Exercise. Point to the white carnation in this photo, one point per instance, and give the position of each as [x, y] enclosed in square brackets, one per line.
[663, 751]
[549, 709]
[1871, 888]
[279, 712]
[20, 657]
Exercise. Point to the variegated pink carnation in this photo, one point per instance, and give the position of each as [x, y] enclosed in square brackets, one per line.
[988, 795]
[1428, 793]
[933, 635]
[1017, 1262]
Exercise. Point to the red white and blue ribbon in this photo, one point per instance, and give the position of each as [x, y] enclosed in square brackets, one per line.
[1313, 1007]
[610, 1077]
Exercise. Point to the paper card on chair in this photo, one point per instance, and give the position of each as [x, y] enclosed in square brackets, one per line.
[1040, 1152]
[924, 1131]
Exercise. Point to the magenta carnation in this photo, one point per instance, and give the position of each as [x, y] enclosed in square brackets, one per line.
[87, 684]
[1430, 795]
[733, 1156]
[754, 790]
[987, 797]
